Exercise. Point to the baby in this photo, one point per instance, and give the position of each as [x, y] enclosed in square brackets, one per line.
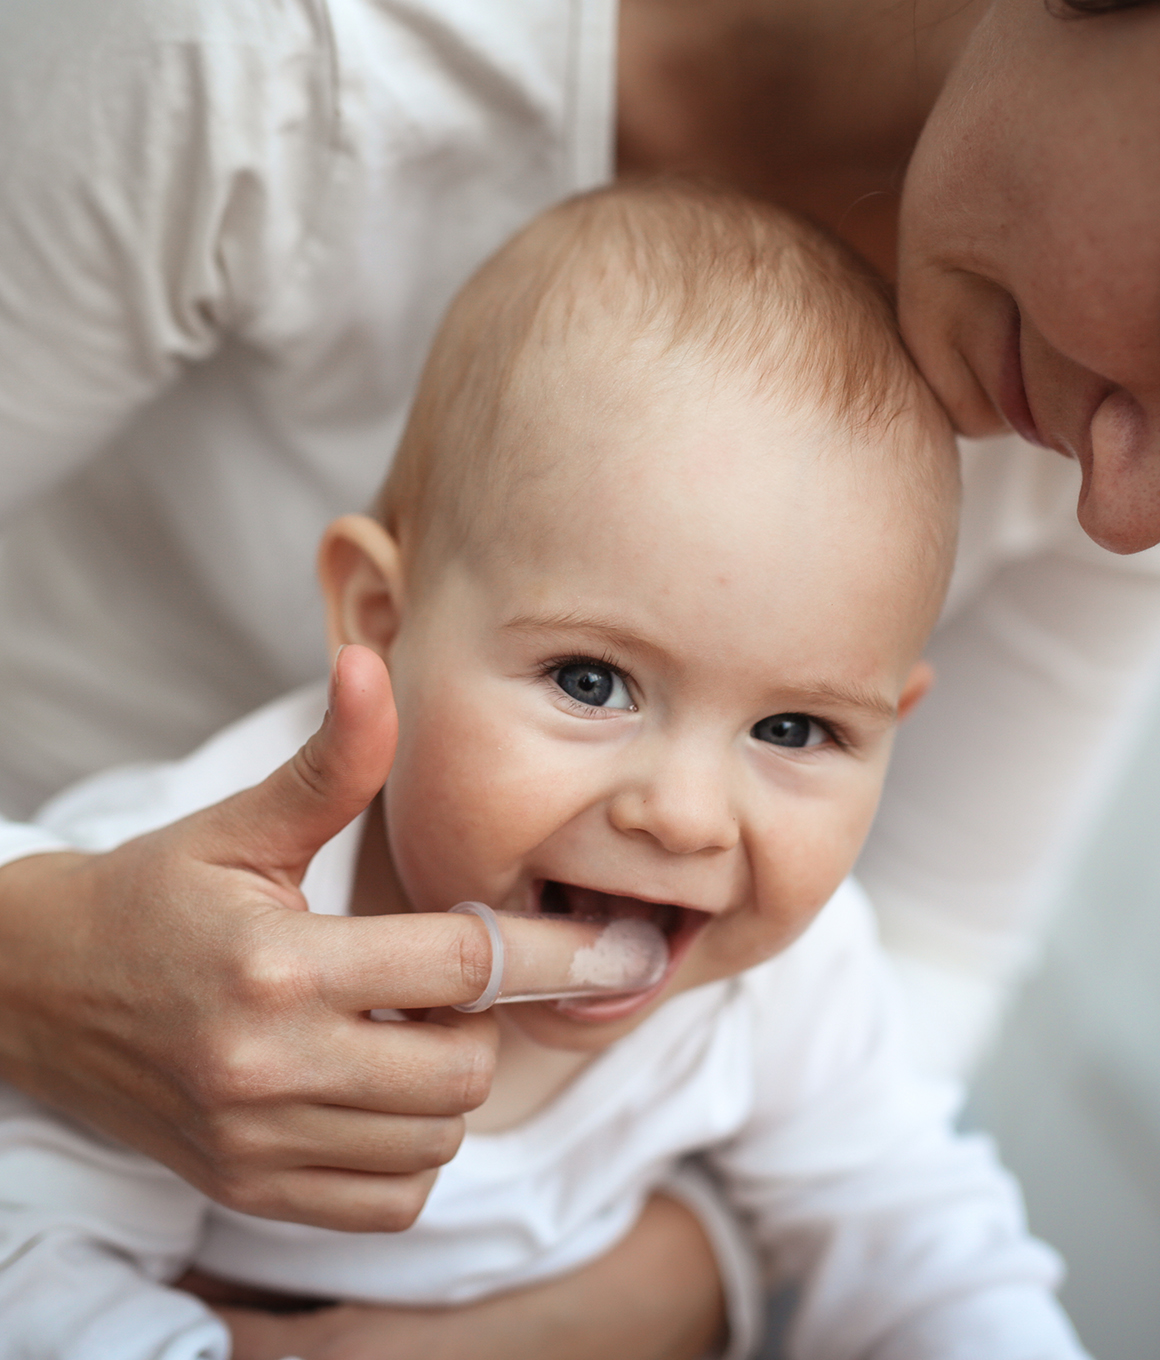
[652, 573]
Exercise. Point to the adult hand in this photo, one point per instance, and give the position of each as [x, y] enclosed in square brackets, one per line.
[655, 1296]
[176, 993]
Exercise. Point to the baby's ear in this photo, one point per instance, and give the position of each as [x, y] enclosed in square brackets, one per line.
[918, 684]
[361, 571]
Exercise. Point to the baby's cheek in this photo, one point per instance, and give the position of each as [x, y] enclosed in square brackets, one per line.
[465, 801]
[797, 868]
[805, 873]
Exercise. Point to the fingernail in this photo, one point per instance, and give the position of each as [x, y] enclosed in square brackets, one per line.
[332, 685]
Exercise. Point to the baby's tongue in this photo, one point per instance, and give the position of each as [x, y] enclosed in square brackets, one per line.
[600, 905]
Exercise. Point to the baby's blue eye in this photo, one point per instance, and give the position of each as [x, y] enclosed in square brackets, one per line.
[591, 683]
[789, 729]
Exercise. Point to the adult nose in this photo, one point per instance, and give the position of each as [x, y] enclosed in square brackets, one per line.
[680, 799]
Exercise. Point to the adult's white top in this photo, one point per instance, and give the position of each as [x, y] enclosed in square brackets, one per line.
[227, 231]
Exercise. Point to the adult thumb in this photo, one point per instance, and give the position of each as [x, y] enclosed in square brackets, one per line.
[279, 825]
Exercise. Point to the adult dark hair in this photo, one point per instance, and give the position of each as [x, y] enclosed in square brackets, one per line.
[1103, 6]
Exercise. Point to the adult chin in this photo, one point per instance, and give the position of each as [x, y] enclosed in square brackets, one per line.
[958, 330]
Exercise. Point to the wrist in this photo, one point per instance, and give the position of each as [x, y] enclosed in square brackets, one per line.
[40, 894]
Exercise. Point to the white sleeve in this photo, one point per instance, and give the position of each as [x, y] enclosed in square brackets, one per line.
[904, 1240]
[1042, 671]
[162, 166]
[88, 1233]
[18, 840]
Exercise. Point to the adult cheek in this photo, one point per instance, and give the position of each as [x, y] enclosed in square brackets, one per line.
[951, 312]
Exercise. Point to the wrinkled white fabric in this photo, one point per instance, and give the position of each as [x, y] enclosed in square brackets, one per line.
[790, 1081]
[228, 229]
[1047, 657]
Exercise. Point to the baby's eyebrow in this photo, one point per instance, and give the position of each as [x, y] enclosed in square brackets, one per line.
[573, 621]
[827, 692]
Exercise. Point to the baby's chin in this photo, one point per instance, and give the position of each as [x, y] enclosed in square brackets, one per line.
[548, 1024]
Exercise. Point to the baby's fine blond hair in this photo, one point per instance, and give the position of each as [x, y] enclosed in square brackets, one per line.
[677, 281]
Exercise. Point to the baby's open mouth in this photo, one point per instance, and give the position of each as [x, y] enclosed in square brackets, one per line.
[566, 899]
[679, 925]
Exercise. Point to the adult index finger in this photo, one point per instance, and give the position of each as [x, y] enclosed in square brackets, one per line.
[406, 962]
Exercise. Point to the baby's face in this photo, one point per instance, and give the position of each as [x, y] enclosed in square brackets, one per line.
[666, 688]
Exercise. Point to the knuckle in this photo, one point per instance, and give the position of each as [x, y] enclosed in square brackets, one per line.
[224, 1081]
[239, 1073]
[248, 1194]
[235, 1146]
[309, 770]
[477, 1070]
[271, 977]
[443, 1140]
[405, 1204]
[472, 959]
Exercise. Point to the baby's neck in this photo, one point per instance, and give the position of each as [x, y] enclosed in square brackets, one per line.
[528, 1077]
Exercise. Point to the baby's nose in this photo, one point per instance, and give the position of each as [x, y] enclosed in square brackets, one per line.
[685, 808]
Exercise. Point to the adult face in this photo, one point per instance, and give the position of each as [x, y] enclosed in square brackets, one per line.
[1030, 274]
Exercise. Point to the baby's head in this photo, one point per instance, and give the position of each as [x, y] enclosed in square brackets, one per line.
[668, 529]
